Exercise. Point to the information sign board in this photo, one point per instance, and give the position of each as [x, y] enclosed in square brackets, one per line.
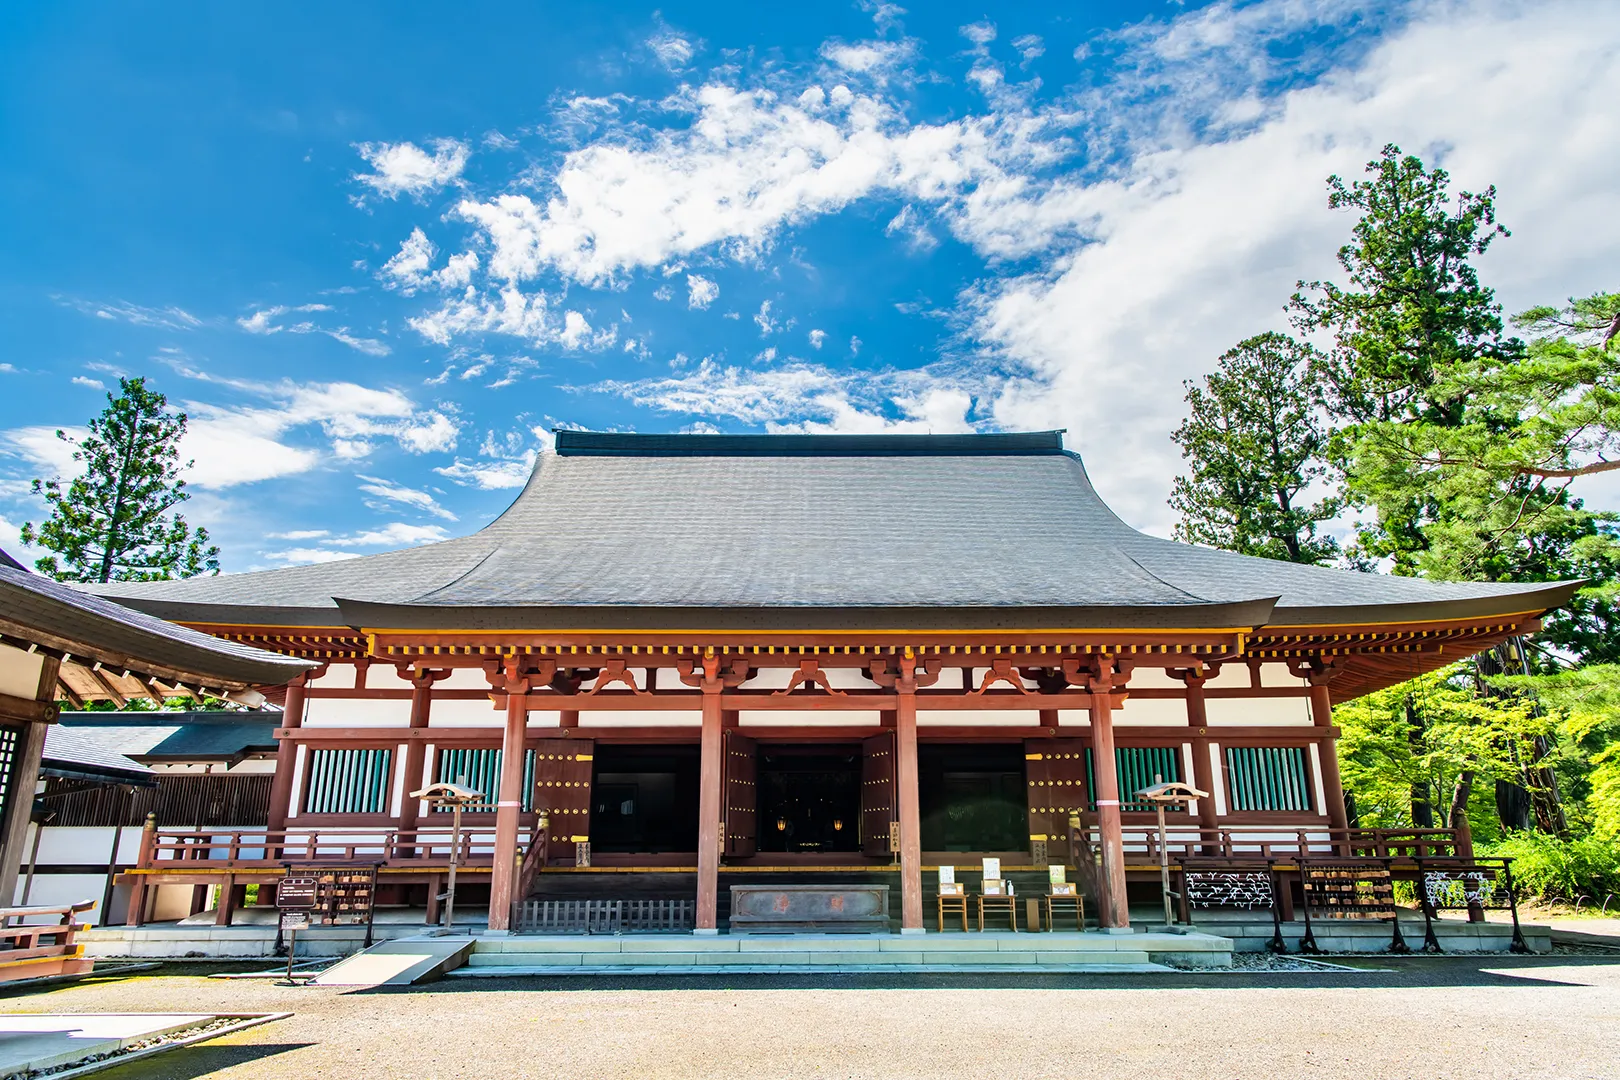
[297, 892]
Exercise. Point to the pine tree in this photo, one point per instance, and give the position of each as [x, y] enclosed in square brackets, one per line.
[115, 520]
[1254, 442]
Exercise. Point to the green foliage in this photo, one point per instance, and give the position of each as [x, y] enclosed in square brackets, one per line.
[1584, 707]
[115, 521]
[1383, 757]
[1545, 866]
[1254, 442]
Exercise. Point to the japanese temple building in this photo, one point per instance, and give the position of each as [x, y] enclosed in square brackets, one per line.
[676, 659]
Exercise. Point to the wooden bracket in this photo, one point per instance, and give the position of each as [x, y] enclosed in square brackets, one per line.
[1001, 670]
[616, 671]
[809, 673]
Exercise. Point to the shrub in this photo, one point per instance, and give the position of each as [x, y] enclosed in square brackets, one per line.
[1553, 869]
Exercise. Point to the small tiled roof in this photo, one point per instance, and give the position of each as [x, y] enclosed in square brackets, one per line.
[174, 735]
[95, 628]
[93, 753]
[658, 530]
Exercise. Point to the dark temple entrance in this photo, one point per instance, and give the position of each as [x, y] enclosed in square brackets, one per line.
[972, 797]
[645, 799]
[809, 798]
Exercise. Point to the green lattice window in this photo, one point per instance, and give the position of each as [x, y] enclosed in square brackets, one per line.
[1268, 778]
[481, 770]
[348, 781]
[1136, 767]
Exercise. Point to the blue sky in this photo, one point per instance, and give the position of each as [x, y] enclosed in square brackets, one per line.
[378, 251]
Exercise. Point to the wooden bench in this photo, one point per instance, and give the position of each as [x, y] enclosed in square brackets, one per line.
[40, 949]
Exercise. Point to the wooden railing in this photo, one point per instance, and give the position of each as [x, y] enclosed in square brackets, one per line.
[1268, 842]
[41, 948]
[248, 849]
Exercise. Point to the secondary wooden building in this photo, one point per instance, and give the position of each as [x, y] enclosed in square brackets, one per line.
[681, 658]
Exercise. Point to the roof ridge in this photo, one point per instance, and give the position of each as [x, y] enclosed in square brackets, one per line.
[573, 442]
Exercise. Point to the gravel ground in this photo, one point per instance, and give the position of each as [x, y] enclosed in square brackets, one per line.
[1432, 1017]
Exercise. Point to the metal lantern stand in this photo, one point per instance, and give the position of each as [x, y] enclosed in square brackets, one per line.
[1161, 795]
[457, 797]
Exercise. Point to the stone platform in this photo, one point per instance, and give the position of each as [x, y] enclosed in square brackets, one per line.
[1252, 932]
[745, 953]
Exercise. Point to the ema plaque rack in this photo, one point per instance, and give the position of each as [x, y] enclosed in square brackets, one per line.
[1363, 890]
[1483, 885]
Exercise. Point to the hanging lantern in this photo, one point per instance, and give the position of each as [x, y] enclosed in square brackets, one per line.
[838, 824]
[781, 824]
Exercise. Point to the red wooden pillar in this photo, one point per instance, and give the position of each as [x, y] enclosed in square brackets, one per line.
[1332, 786]
[281, 792]
[905, 738]
[1203, 771]
[1113, 909]
[510, 800]
[416, 750]
[709, 830]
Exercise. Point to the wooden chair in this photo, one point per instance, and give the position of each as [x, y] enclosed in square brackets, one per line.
[1071, 900]
[998, 899]
[953, 898]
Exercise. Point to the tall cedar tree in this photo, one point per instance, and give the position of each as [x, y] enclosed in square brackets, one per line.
[1460, 439]
[1254, 441]
[1414, 309]
[115, 521]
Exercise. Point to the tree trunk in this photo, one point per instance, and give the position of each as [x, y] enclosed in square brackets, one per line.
[1422, 804]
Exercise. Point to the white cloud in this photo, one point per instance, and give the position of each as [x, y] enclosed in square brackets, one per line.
[304, 556]
[263, 322]
[908, 224]
[490, 475]
[700, 292]
[394, 535]
[817, 337]
[7, 369]
[163, 318]
[1490, 91]
[301, 534]
[390, 492]
[93, 384]
[411, 268]
[673, 50]
[763, 320]
[807, 397]
[406, 169]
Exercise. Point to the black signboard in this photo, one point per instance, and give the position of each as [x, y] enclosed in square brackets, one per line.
[298, 893]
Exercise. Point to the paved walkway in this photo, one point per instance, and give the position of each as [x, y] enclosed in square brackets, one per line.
[1470, 1017]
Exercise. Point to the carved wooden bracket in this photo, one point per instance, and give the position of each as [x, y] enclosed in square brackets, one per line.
[1101, 674]
[517, 674]
[1001, 670]
[809, 673]
[421, 677]
[902, 673]
[615, 671]
[716, 674]
[1317, 671]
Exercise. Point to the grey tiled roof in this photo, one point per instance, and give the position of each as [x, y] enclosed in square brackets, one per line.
[170, 734]
[101, 629]
[865, 524]
[98, 751]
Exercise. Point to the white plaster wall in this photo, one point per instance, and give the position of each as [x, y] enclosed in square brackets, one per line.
[1154, 678]
[979, 717]
[1258, 712]
[51, 889]
[538, 718]
[476, 712]
[1279, 675]
[641, 718]
[1232, 676]
[1074, 717]
[804, 718]
[358, 712]
[337, 675]
[1155, 712]
[19, 672]
[1316, 778]
[1219, 774]
[464, 678]
[300, 756]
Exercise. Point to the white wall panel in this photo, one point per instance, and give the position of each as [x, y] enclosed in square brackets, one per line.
[1074, 717]
[300, 756]
[20, 671]
[1279, 675]
[1219, 774]
[979, 717]
[1316, 778]
[1258, 712]
[1232, 677]
[340, 676]
[805, 718]
[1155, 712]
[358, 712]
[1154, 678]
[640, 718]
[458, 712]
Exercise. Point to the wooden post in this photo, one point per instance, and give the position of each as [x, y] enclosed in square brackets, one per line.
[510, 801]
[1113, 910]
[1332, 786]
[709, 802]
[415, 753]
[1203, 771]
[905, 738]
[227, 901]
[143, 858]
[281, 792]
